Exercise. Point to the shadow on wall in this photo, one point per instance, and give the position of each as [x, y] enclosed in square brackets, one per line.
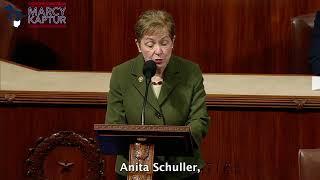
[34, 54]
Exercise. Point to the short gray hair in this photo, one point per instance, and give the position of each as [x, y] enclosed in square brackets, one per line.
[154, 20]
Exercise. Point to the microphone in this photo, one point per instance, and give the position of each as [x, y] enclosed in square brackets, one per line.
[149, 70]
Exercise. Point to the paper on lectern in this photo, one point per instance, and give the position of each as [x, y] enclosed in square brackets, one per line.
[315, 83]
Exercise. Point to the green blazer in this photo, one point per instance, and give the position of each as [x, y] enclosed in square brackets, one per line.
[181, 102]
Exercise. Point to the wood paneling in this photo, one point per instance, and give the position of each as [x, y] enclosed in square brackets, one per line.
[251, 145]
[21, 126]
[232, 36]
[212, 100]
[70, 45]
[6, 32]
[243, 143]
[223, 36]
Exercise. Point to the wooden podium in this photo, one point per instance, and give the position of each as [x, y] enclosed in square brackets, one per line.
[143, 142]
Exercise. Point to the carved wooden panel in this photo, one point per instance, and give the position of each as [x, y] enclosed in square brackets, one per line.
[37, 156]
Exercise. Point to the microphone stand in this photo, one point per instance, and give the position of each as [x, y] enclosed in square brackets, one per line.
[149, 70]
[143, 114]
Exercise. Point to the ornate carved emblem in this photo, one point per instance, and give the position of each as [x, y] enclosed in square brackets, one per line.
[9, 98]
[37, 155]
[300, 103]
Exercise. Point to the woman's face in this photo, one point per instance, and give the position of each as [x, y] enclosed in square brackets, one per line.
[157, 47]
